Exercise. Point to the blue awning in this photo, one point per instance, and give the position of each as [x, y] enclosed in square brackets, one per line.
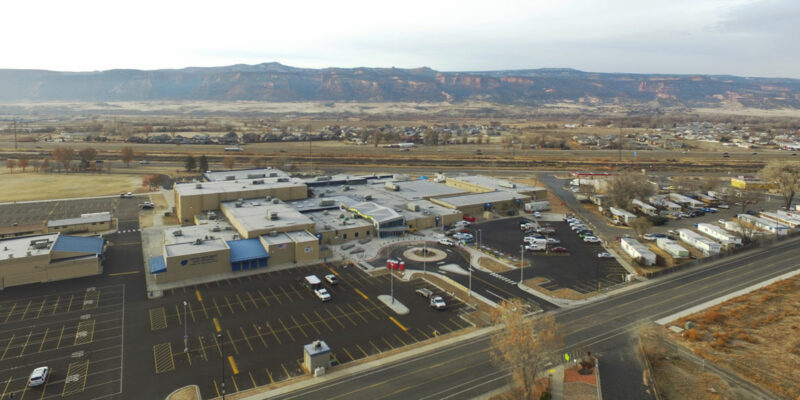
[422, 178]
[157, 265]
[246, 249]
[78, 244]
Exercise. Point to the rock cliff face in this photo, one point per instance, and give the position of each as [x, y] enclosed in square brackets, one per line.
[276, 82]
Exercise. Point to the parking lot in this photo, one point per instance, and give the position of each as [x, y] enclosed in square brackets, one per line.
[77, 333]
[38, 212]
[578, 269]
[264, 320]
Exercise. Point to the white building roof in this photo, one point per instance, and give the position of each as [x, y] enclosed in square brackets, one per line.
[20, 247]
[482, 198]
[242, 174]
[254, 215]
[241, 186]
[83, 219]
[183, 249]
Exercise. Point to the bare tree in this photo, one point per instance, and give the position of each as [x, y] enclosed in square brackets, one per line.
[257, 162]
[23, 162]
[10, 164]
[63, 155]
[708, 182]
[641, 225]
[523, 344]
[786, 177]
[126, 155]
[625, 187]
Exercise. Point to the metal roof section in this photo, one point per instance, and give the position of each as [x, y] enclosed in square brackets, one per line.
[481, 198]
[157, 265]
[190, 233]
[83, 219]
[424, 189]
[246, 249]
[198, 246]
[314, 204]
[255, 215]
[79, 244]
[301, 236]
[243, 174]
[27, 246]
[376, 212]
[495, 183]
[276, 239]
[240, 187]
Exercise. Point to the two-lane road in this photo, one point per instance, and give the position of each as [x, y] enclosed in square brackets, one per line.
[465, 370]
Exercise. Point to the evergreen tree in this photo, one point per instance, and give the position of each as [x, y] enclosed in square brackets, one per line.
[190, 163]
[203, 163]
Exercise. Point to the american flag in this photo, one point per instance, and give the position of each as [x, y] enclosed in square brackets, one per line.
[281, 246]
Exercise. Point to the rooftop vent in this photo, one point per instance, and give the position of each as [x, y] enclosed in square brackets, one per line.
[391, 186]
[177, 233]
[283, 179]
[273, 215]
[368, 197]
[255, 176]
[198, 186]
[198, 241]
[273, 233]
[258, 182]
[273, 174]
[275, 201]
[216, 229]
[230, 177]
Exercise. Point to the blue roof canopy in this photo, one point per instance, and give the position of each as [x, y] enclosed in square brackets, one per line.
[157, 265]
[78, 244]
[246, 249]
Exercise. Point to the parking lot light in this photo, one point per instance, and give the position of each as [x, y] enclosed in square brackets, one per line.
[185, 329]
[521, 262]
[222, 361]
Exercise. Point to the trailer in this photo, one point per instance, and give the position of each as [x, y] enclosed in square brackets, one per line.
[708, 246]
[672, 248]
[537, 206]
[719, 234]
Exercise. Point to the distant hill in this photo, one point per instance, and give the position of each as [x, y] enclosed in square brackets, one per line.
[276, 82]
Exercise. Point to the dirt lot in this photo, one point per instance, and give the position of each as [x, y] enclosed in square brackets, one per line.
[493, 265]
[562, 293]
[35, 186]
[757, 335]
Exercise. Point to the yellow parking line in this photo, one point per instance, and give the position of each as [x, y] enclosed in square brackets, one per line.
[203, 348]
[387, 342]
[244, 335]
[10, 312]
[269, 374]
[191, 311]
[199, 297]
[219, 348]
[41, 308]
[44, 339]
[286, 329]
[252, 379]
[230, 307]
[348, 354]
[299, 295]
[260, 336]
[234, 368]
[177, 313]
[263, 297]
[58, 346]
[401, 340]
[334, 318]
[362, 294]
[241, 303]
[273, 333]
[24, 346]
[362, 350]
[323, 321]
[286, 294]
[189, 358]
[346, 315]
[216, 388]
[286, 371]
[71, 298]
[5, 389]
[252, 300]
[357, 312]
[214, 300]
[55, 307]
[334, 272]
[3, 357]
[275, 295]
[125, 273]
[311, 323]
[298, 326]
[398, 324]
[216, 324]
[375, 347]
[205, 312]
[233, 343]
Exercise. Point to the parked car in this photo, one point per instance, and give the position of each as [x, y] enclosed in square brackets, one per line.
[438, 303]
[558, 250]
[591, 239]
[722, 221]
[578, 227]
[653, 236]
[468, 218]
[584, 234]
[536, 247]
[322, 294]
[751, 212]
[725, 206]
[425, 292]
[537, 214]
[332, 279]
[147, 205]
[605, 255]
[553, 241]
[38, 376]
[463, 236]
[684, 215]
[447, 242]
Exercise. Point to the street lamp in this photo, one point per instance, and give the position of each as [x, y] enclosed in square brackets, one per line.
[185, 328]
[424, 257]
[521, 261]
[222, 361]
[391, 284]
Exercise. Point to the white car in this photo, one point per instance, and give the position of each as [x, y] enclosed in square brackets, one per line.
[578, 227]
[604, 255]
[438, 303]
[322, 294]
[537, 214]
[38, 376]
[536, 247]
[553, 241]
[332, 279]
[725, 206]
[722, 221]
[591, 239]
[447, 242]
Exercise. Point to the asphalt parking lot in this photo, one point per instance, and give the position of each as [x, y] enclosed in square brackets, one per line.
[39, 212]
[265, 320]
[579, 269]
[77, 333]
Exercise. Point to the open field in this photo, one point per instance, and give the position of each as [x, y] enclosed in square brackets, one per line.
[755, 335]
[34, 186]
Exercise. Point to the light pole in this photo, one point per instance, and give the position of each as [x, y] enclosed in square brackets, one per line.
[185, 329]
[222, 361]
[521, 261]
[391, 284]
[424, 258]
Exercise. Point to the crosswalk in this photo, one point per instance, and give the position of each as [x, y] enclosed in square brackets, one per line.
[129, 230]
[503, 278]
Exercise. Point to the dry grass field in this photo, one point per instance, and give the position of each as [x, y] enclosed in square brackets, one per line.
[26, 186]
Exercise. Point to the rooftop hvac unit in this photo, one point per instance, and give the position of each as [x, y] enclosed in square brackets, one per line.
[40, 243]
[238, 205]
[507, 184]
[198, 186]
[268, 198]
[276, 201]
[273, 174]
[230, 178]
[327, 227]
[368, 197]
[258, 182]
[235, 236]
[413, 207]
[177, 233]
[256, 176]
[324, 178]
[215, 229]
[212, 215]
[198, 241]
[283, 179]
[325, 212]
[28, 253]
[345, 188]
[273, 215]
[326, 203]
[273, 233]
[391, 186]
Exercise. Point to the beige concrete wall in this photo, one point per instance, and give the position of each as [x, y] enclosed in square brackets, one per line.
[306, 251]
[74, 268]
[338, 236]
[278, 255]
[470, 187]
[21, 271]
[199, 264]
[87, 227]
[186, 207]
[452, 219]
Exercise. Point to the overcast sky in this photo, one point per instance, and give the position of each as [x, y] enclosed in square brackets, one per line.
[739, 37]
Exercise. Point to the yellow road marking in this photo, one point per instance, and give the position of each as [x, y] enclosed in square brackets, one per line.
[369, 310]
[199, 297]
[216, 388]
[230, 307]
[5, 389]
[362, 350]
[55, 307]
[244, 335]
[347, 315]
[233, 343]
[387, 342]
[323, 321]
[260, 336]
[275, 295]
[81, 369]
[299, 295]
[24, 346]
[286, 294]
[269, 374]
[163, 358]
[58, 346]
[348, 354]
[71, 297]
[286, 371]
[357, 312]
[191, 311]
[189, 358]
[252, 379]
[298, 326]
[334, 318]
[235, 385]
[252, 300]
[124, 273]
[401, 340]
[219, 312]
[3, 357]
[216, 324]
[375, 347]
[273, 333]
[10, 312]
[241, 303]
[334, 272]
[398, 324]
[234, 368]
[40, 309]
[219, 348]
[178, 314]
[361, 293]
[44, 339]
[263, 297]
[203, 348]
[310, 323]
[286, 329]
[205, 312]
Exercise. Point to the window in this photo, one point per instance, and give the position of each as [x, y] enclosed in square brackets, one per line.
[356, 234]
[344, 236]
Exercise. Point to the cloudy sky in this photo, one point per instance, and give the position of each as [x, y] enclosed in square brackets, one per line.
[739, 37]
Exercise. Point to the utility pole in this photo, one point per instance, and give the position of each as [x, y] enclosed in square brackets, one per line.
[14, 124]
[424, 258]
[521, 261]
[185, 329]
[620, 141]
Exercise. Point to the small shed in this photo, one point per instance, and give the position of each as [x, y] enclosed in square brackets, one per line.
[315, 355]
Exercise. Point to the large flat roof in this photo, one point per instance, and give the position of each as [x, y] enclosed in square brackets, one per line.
[190, 233]
[329, 220]
[481, 198]
[236, 186]
[424, 189]
[83, 219]
[253, 215]
[185, 249]
[496, 183]
[378, 212]
[255, 173]
[19, 247]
